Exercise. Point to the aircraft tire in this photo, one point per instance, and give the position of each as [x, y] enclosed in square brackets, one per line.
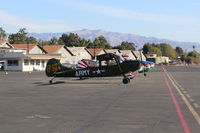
[50, 82]
[145, 74]
[126, 80]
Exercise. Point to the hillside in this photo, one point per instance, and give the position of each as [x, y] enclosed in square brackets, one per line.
[115, 38]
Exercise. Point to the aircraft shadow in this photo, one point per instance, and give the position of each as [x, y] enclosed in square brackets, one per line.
[73, 82]
[46, 83]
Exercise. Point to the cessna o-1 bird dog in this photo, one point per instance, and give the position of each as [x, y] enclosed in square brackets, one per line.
[108, 65]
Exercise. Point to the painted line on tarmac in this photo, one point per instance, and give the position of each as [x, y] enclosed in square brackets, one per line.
[196, 105]
[188, 96]
[185, 92]
[182, 89]
[192, 100]
[188, 104]
[177, 107]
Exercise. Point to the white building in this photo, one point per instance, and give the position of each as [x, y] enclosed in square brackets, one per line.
[78, 54]
[5, 45]
[139, 55]
[18, 61]
[15, 57]
[60, 49]
[30, 48]
[128, 53]
[114, 51]
[94, 52]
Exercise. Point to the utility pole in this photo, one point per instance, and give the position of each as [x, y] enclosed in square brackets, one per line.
[28, 47]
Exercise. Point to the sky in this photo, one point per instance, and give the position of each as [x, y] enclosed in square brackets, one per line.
[177, 20]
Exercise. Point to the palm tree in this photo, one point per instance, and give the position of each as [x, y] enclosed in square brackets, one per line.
[193, 48]
[2, 34]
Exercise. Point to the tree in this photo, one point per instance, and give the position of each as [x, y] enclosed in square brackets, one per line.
[126, 46]
[179, 51]
[193, 54]
[167, 50]
[183, 57]
[194, 57]
[193, 47]
[31, 40]
[2, 34]
[69, 40]
[146, 48]
[101, 42]
[83, 42]
[53, 41]
[152, 49]
[21, 37]
[43, 43]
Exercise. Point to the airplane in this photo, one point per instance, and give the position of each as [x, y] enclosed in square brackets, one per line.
[146, 66]
[108, 65]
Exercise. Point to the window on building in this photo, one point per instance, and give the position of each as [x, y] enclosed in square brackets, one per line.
[37, 62]
[13, 62]
[26, 62]
[2, 51]
[32, 62]
[43, 63]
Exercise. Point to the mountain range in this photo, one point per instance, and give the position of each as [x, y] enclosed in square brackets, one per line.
[115, 38]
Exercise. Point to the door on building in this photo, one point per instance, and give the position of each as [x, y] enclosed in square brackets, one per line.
[2, 66]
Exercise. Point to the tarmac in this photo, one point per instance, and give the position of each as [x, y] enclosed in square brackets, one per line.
[167, 100]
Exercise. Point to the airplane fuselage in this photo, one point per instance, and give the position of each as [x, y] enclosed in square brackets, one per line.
[101, 71]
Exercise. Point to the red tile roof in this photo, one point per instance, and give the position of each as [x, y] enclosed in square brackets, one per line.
[112, 51]
[52, 49]
[24, 46]
[3, 42]
[94, 52]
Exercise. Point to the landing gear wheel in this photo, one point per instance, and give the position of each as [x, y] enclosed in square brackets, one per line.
[145, 74]
[126, 80]
[50, 82]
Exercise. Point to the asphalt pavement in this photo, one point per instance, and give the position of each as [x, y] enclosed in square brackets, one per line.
[165, 101]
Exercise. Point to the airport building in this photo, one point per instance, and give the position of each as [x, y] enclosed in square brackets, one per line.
[114, 51]
[18, 61]
[139, 55]
[94, 52]
[32, 57]
[59, 49]
[129, 53]
[157, 59]
[24, 57]
[79, 53]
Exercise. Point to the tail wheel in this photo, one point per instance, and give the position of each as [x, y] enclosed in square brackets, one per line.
[126, 80]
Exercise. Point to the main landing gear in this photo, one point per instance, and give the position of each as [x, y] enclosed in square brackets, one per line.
[145, 74]
[126, 80]
[51, 81]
